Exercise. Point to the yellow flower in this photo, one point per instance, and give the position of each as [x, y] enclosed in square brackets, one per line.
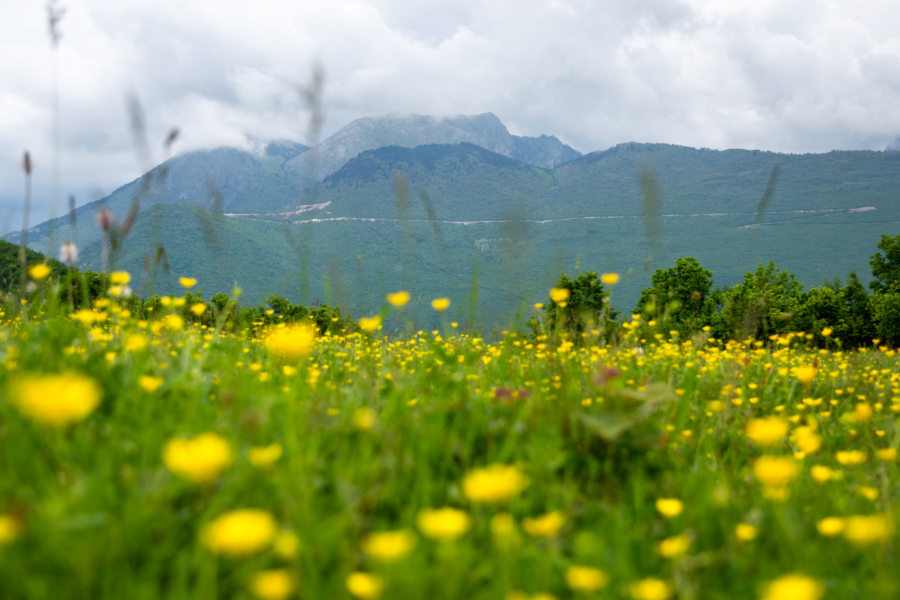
[56, 400]
[559, 295]
[370, 324]
[775, 472]
[365, 586]
[119, 278]
[547, 525]
[38, 271]
[493, 484]
[389, 546]
[398, 299]
[135, 342]
[850, 458]
[198, 308]
[805, 374]
[831, 526]
[609, 278]
[440, 304]
[886, 454]
[827, 331]
[199, 459]
[669, 507]
[263, 457]
[150, 383]
[650, 589]
[674, 547]
[286, 544]
[173, 322]
[187, 282]
[585, 579]
[272, 584]
[793, 586]
[503, 530]
[364, 418]
[864, 530]
[292, 343]
[445, 524]
[767, 431]
[821, 473]
[806, 439]
[240, 532]
[745, 532]
[10, 529]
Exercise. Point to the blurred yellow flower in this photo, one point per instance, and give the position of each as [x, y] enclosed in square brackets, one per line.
[805, 374]
[119, 278]
[365, 418]
[10, 528]
[198, 308]
[56, 400]
[398, 299]
[187, 282]
[609, 278]
[559, 294]
[850, 458]
[821, 473]
[864, 530]
[440, 304]
[827, 331]
[674, 547]
[503, 530]
[831, 526]
[39, 271]
[793, 586]
[240, 532]
[365, 586]
[173, 322]
[149, 383]
[286, 544]
[272, 584]
[389, 546]
[745, 532]
[651, 589]
[494, 483]
[136, 342]
[669, 507]
[263, 457]
[775, 473]
[767, 431]
[444, 524]
[886, 454]
[370, 324]
[199, 459]
[806, 439]
[585, 579]
[546, 525]
[293, 342]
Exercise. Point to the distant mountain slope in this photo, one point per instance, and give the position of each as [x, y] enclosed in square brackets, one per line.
[485, 130]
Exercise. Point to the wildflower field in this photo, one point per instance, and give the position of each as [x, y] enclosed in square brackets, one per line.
[158, 458]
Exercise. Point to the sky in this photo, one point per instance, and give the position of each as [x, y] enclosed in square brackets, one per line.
[783, 75]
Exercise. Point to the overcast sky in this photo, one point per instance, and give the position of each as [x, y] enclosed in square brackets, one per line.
[784, 75]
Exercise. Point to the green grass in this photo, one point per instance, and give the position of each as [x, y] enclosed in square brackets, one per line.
[600, 432]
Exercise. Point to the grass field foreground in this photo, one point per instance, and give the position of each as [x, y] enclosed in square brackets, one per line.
[157, 459]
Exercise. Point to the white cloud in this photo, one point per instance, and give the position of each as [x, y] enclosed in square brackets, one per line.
[791, 76]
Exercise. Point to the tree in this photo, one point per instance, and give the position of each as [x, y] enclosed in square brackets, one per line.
[764, 303]
[678, 296]
[587, 306]
[886, 265]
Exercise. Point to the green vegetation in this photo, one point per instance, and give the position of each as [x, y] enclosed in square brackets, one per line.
[147, 456]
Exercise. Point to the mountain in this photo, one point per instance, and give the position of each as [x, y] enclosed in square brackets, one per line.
[488, 230]
[410, 131]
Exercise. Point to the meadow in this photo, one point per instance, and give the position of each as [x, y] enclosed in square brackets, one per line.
[160, 458]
